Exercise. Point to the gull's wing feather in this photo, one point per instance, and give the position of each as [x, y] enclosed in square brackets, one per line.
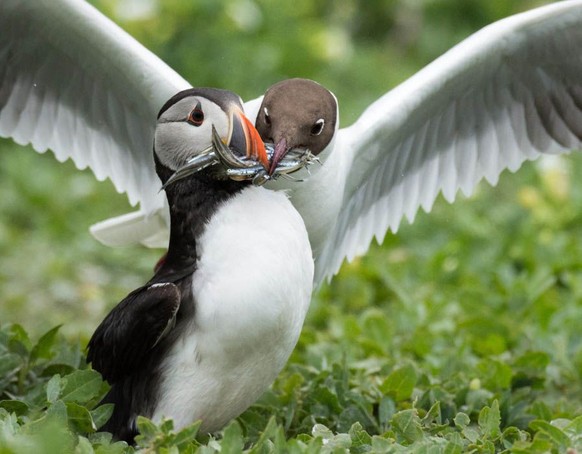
[150, 230]
[73, 82]
[505, 95]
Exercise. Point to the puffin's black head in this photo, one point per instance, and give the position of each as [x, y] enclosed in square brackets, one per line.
[297, 113]
[184, 129]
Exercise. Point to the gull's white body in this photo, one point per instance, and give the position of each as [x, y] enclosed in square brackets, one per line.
[241, 335]
[509, 93]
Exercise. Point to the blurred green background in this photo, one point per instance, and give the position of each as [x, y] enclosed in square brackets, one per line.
[53, 272]
[476, 306]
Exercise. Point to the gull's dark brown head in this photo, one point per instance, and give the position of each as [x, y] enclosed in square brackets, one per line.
[297, 113]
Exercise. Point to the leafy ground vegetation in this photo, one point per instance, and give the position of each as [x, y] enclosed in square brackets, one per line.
[459, 334]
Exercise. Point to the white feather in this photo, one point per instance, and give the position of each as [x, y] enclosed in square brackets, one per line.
[136, 227]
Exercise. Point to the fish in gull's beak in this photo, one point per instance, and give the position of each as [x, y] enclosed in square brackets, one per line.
[281, 149]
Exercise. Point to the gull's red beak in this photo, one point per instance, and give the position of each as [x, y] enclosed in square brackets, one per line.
[245, 138]
[281, 150]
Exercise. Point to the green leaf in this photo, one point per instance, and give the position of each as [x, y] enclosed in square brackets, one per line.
[53, 388]
[496, 375]
[386, 410]
[407, 424]
[359, 436]
[271, 439]
[19, 342]
[489, 420]
[321, 431]
[232, 440]
[147, 429]
[44, 347]
[57, 411]
[575, 426]
[101, 414]
[554, 434]
[462, 420]
[400, 383]
[84, 446]
[187, 434]
[380, 444]
[471, 434]
[55, 415]
[533, 360]
[453, 448]
[433, 415]
[529, 447]
[512, 435]
[166, 426]
[542, 411]
[80, 418]
[52, 431]
[14, 406]
[9, 362]
[101, 438]
[81, 386]
[60, 369]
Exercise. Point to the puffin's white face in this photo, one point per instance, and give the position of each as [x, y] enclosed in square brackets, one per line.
[185, 130]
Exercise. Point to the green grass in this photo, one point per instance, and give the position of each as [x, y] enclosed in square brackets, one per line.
[460, 333]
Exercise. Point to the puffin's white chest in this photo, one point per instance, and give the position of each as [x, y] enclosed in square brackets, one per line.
[252, 290]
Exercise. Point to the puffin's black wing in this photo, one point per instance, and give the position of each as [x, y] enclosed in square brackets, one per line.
[124, 339]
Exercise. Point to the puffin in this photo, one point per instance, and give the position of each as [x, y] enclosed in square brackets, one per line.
[511, 92]
[210, 331]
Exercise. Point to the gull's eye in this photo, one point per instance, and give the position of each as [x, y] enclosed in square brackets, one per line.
[267, 117]
[317, 127]
[196, 117]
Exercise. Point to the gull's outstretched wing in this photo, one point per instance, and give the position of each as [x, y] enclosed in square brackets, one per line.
[505, 95]
[73, 82]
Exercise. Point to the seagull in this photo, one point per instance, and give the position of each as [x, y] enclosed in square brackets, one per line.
[509, 93]
[210, 331]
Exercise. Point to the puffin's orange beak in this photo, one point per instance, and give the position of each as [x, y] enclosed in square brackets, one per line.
[246, 138]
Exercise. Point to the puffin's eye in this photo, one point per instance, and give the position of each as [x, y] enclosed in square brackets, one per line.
[267, 118]
[317, 127]
[196, 117]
